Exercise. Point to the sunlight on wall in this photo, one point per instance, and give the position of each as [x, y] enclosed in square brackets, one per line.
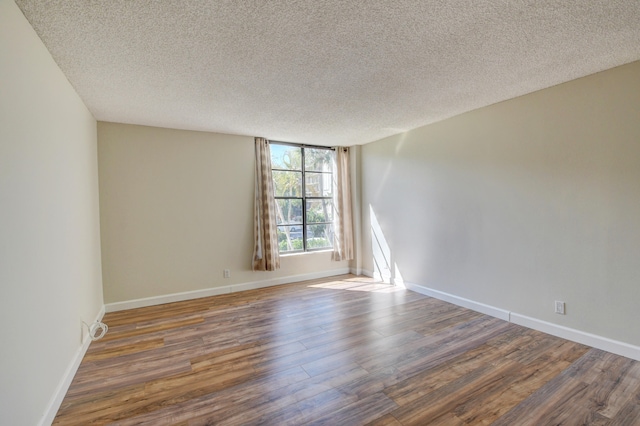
[382, 255]
[397, 279]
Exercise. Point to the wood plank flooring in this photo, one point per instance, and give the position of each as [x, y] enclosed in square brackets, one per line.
[341, 351]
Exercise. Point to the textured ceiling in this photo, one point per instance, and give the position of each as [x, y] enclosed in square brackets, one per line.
[328, 72]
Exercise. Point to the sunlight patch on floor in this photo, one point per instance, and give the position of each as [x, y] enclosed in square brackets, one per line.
[368, 286]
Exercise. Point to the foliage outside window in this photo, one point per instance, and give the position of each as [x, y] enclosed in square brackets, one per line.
[303, 185]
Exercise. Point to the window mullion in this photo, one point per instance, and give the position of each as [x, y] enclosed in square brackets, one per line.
[304, 202]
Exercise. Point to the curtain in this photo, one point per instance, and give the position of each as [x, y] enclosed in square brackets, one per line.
[265, 251]
[343, 222]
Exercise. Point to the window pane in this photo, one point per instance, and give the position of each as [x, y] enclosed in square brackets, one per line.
[319, 211]
[287, 184]
[319, 236]
[303, 196]
[289, 212]
[285, 157]
[318, 184]
[318, 160]
[290, 238]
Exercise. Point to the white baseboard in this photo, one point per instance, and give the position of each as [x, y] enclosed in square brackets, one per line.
[67, 378]
[287, 280]
[460, 301]
[366, 273]
[167, 298]
[595, 341]
[215, 291]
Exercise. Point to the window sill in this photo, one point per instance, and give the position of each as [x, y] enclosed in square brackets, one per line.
[303, 253]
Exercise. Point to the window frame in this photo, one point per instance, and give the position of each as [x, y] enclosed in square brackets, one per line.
[303, 195]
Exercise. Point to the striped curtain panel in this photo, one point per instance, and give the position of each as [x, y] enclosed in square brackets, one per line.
[265, 251]
[343, 222]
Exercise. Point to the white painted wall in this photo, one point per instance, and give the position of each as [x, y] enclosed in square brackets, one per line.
[522, 203]
[50, 276]
[177, 209]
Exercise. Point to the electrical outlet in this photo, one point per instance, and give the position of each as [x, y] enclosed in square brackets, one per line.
[226, 273]
[560, 307]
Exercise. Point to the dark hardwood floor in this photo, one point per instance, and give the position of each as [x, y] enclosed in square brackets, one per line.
[341, 351]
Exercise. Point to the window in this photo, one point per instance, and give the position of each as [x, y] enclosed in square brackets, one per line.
[303, 185]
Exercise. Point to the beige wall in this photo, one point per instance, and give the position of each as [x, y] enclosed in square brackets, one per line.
[50, 275]
[522, 203]
[515, 205]
[177, 209]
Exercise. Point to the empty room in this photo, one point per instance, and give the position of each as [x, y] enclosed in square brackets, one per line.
[319, 212]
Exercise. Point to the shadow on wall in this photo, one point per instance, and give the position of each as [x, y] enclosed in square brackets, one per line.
[382, 255]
